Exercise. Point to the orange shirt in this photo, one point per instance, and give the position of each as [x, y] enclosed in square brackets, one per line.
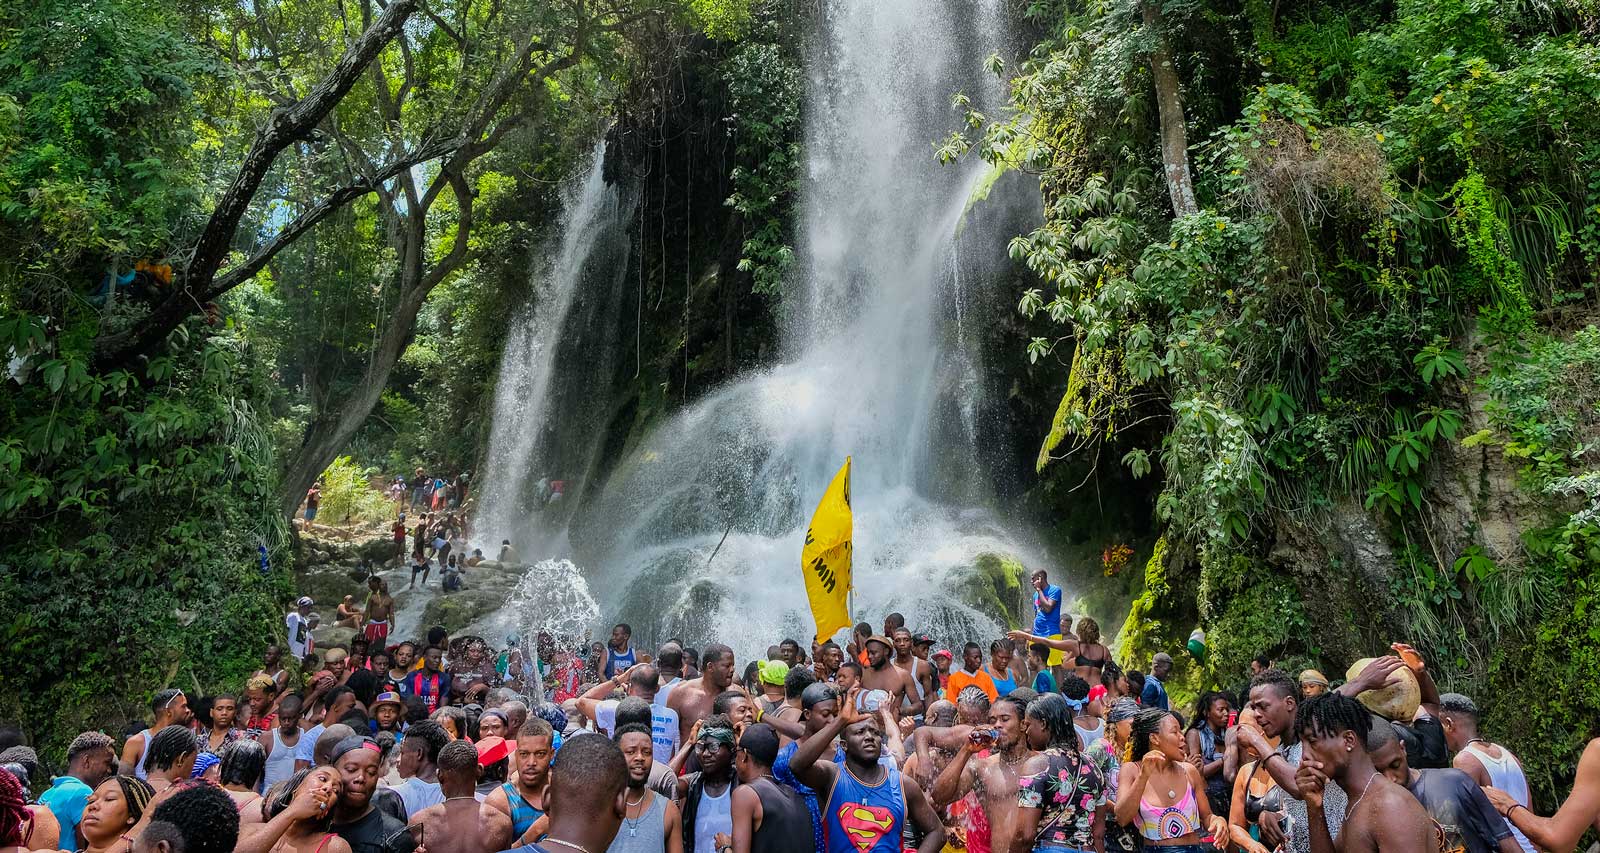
[960, 680]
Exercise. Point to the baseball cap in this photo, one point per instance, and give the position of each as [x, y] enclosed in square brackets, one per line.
[304, 601]
[922, 638]
[774, 672]
[944, 653]
[491, 749]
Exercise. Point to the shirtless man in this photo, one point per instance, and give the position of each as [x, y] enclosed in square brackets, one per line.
[168, 708]
[881, 674]
[1382, 816]
[532, 757]
[459, 824]
[995, 778]
[379, 610]
[348, 616]
[918, 672]
[692, 699]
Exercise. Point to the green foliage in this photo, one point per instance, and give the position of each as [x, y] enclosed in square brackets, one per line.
[142, 499]
[765, 88]
[95, 106]
[350, 494]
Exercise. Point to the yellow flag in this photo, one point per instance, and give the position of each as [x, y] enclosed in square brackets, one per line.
[825, 560]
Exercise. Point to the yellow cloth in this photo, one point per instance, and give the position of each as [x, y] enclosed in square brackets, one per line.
[1056, 655]
[825, 559]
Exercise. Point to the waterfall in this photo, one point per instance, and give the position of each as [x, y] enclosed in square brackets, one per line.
[550, 360]
[697, 533]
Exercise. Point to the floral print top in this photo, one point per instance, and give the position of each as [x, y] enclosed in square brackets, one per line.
[1068, 791]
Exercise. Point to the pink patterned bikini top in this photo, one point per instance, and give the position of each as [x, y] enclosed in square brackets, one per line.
[1164, 823]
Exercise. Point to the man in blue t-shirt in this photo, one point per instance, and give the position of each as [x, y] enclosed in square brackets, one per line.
[1154, 694]
[1047, 613]
[91, 759]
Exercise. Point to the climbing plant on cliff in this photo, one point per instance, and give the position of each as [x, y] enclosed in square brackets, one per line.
[1380, 190]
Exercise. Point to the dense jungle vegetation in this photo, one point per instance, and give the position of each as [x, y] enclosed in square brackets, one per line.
[1315, 290]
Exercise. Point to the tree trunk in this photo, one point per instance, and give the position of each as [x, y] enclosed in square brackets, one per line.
[1169, 101]
[332, 427]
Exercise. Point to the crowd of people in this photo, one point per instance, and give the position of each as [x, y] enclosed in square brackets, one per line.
[882, 744]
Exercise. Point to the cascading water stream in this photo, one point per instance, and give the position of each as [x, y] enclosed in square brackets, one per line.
[697, 533]
[534, 398]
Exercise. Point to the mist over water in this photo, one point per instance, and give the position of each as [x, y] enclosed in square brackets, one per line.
[698, 532]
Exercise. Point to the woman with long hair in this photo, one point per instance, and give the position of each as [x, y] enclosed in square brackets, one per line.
[306, 799]
[1158, 791]
[1093, 656]
[114, 809]
[453, 719]
[243, 763]
[1106, 753]
[1206, 741]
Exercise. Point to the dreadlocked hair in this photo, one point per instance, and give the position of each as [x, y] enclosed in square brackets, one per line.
[1332, 714]
[14, 813]
[1202, 707]
[1145, 726]
[1056, 715]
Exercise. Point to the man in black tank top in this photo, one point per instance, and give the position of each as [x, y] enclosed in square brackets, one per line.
[768, 817]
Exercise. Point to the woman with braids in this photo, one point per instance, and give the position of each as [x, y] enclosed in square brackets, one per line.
[16, 821]
[114, 809]
[171, 756]
[1158, 789]
[298, 812]
[1059, 805]
[1205, 742]
[243, 764]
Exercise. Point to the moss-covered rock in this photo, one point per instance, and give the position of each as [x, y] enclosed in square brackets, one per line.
[997, 588]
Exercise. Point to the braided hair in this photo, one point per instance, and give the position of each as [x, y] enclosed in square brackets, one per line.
[136, 795]
[14, 813]
[169, 745]
[1146, 724]
[1202, 707]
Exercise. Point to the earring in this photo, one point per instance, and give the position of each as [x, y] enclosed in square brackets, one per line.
[1347, 749]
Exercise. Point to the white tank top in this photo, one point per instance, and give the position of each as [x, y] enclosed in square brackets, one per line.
[280, 764]
[1506, 774]
[714, 815]
[915, 682]
[1090, 736]
[144, 756]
